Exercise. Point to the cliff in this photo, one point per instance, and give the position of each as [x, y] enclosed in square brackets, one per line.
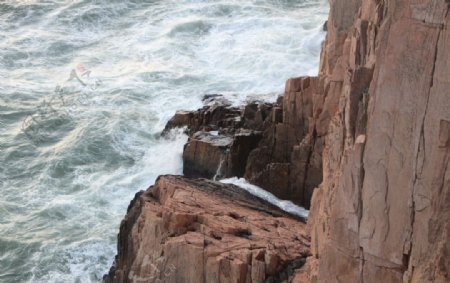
[368, 139]
[382, 213]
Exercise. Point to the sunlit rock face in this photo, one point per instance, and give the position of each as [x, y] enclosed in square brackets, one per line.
[184, 230]
[382, 212]
[373, 129]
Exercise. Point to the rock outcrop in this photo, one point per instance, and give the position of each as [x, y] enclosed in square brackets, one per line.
[275, 146]
[373, 129]
[382, 213]
[288, 160]
[221, 137]
[184, 230]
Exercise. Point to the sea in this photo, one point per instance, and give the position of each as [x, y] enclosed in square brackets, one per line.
[86, 88]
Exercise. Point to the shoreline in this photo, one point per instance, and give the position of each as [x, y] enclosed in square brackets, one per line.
[366, 143]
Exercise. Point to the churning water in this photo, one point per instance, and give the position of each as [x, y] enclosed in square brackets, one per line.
[74, 152]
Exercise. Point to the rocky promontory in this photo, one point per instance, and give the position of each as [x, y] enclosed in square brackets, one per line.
[277, 146]
[186, 230]
[365, 145]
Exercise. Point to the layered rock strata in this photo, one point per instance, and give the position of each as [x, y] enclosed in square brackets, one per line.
[184, 230]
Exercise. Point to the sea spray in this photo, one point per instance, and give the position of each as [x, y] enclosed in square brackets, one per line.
[285, 205]
[63, 198]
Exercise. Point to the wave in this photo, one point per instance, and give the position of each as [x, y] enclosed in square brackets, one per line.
[74, 154]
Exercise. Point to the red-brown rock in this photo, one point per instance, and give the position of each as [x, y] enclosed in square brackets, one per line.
[382, 213]
[288, 161]
[217, 156]
[184, 230]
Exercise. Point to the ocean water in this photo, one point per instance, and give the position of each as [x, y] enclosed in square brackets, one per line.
[74, 152]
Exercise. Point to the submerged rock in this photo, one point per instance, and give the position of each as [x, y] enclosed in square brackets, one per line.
[184, 230]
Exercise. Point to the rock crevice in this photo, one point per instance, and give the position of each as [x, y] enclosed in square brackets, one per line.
[385, 234]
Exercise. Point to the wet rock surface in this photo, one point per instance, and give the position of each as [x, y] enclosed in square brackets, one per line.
[275, 146]
[184, 230]
[204, 155]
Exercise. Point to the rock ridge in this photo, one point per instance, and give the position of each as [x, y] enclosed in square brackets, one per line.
[276, 146]
[188, 230]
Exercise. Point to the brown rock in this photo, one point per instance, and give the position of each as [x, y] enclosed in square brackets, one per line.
[382, 212]
[378, 114]
[216, 156]
[204, 154]
[288, 160]
[244, 142]
[214, 116]
[184, 230]
[280, 151]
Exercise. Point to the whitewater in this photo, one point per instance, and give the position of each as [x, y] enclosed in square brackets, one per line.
[74, 152]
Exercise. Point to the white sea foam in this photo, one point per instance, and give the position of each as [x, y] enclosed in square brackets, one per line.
[285, 205]
[65, 188]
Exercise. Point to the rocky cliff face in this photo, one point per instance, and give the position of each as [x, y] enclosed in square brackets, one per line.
[275, 146]
[382, 213]
[373, 129]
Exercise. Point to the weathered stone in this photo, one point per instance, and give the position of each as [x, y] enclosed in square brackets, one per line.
[214, 116]
[293, 141]
[381, 213]
[184, 230]
[204, 154]
[215, 156]
[268, 157]
[243, 143]
[378, 114]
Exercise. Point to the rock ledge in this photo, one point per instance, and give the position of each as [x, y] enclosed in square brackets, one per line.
[185, 230]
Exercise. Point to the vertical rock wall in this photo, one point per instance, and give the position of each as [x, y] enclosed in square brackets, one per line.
[382, 212]
[376, 119]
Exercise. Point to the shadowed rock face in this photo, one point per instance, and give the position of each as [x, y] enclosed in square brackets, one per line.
[204, 155]
[221, 137]
[217, 156]
[288, 160]
[184, 230]
[275, 146]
